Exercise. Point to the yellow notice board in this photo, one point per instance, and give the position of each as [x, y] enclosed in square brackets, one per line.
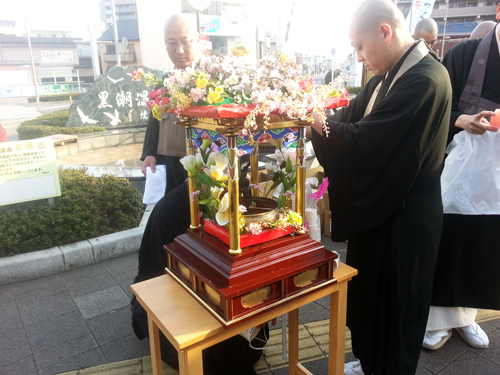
[28, 171]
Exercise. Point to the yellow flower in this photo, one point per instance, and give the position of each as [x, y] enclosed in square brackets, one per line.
[201, 81]
[219, 90]
[213, 97]
[222, 216]
[215, 172]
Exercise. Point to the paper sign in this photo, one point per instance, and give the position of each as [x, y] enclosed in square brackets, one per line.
[28, 171]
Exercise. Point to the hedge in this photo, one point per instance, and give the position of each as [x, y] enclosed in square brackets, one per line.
[36, 131]
[88, 207]
[353, 90]
[57, 118]
[55, 97]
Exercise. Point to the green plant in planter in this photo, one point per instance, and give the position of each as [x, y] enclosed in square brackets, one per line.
[88, 207]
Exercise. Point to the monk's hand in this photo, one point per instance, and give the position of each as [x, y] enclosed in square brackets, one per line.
[149, 161]
[318, 123]
[476, 124]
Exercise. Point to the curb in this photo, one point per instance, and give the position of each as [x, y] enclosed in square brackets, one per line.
[49, 262]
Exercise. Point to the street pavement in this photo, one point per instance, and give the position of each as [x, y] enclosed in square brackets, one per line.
[13, 111]
[78, 322]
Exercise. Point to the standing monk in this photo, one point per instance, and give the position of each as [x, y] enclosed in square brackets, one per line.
[471, 226]
[165, 142]
[384, 155]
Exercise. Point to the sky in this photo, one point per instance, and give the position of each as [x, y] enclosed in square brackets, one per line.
[317, 26]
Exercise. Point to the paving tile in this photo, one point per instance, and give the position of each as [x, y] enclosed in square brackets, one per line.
[11, 332]
[41, 286]
[56, 331]
[25, 366]
[324, 301]
[87, 280]
[261, 366]
[315, 314]
[8, 307]
[111, 326]
[495, 323]
[320, 332]
[423, 371]
[493, 352]
[59, 353]
[14, 352]
[130, 367]
[148, 370]
[471, 363]
[125, 279]
[102, 301]
[308, 349]
[121, 264]
[91, 358]
[319, 366]
[125, 348]
[436, 360]
[34, 308]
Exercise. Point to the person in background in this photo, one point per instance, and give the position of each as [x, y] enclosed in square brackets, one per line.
[469, 243]
[3, 134]
[385, 153]
[426, 29]
[165, 142]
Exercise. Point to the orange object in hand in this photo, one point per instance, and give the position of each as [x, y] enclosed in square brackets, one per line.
[495, 120]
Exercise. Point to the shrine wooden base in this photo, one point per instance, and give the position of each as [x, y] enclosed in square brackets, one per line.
[235, 288]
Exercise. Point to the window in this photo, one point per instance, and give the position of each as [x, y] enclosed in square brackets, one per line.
[471, 4]
[110, 49]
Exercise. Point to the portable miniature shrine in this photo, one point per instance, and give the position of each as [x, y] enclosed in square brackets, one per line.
[235, 278]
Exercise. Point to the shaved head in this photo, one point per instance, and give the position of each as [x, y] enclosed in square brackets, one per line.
[482, 29]
[379, 35]
[371, 13]
[426, 29]
[181, 40]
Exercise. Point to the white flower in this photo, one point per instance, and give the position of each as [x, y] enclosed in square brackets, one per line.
[270, 167]
[222, 216]
[221, 160]
[189, 163]
[279, 156]
[215, 172]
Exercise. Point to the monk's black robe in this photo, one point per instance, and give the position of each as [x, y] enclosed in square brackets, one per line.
[176, 174]
[469, 256]
[385, 198]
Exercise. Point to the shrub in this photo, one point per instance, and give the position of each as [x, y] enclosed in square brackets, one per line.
[36, 131]
[88, 207]
[58, 118]
[55, 97]
[353, 90]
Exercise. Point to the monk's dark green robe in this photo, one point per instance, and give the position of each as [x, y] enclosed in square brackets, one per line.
[385, 198]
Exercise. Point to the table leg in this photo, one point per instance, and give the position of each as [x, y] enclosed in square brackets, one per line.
[190, 362]
[336, 347]
[154, 342]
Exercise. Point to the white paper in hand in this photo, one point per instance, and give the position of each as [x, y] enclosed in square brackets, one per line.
[155, 185]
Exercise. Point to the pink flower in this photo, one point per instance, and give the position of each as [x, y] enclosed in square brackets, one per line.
[150, 104]
[243, 209]
[153, 94]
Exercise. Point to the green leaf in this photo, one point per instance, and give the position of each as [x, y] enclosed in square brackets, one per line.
[205, 179]
[204, 201]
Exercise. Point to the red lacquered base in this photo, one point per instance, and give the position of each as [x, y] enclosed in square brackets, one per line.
[234, 288]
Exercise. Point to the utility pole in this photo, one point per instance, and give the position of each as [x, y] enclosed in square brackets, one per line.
[115, 30]
[32, 64]
[444, 30]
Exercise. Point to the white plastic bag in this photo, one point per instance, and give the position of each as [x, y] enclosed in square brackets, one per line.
[470, 181]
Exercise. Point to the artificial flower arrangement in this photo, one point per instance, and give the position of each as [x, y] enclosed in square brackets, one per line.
[208, 171]
[274, 84]
[283, 173]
